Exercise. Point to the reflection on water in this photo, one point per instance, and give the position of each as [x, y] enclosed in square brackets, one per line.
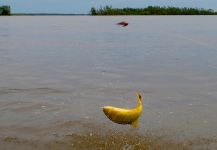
[56, 72]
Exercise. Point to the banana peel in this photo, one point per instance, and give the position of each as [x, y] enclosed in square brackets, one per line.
[125, 116]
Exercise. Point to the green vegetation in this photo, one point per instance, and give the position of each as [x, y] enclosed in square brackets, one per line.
[5, 10]
[151, 10]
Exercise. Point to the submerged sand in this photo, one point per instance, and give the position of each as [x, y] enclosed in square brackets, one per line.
[88, 135]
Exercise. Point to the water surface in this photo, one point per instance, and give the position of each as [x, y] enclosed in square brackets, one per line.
[57, 71]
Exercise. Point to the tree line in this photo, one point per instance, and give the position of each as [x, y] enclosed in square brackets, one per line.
[151, 10]
[5, 10]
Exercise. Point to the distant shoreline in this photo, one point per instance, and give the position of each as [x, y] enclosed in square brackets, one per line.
[109, 11]
[151, 10]
[95, 15]
[54, 14]
[47, 14]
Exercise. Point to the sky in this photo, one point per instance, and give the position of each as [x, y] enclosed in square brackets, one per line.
[84, 6]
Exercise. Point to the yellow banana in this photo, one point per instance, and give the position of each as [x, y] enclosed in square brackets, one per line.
[125, 116]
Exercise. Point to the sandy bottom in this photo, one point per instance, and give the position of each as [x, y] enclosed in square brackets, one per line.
[89, 135]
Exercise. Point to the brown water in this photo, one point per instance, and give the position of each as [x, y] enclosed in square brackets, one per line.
[57, 72]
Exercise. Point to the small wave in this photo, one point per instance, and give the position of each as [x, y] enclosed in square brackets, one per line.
[42, 90]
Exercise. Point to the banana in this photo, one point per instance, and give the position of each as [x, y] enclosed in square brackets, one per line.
[125, 116]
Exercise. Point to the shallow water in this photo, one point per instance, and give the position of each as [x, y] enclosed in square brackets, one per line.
[56, 72]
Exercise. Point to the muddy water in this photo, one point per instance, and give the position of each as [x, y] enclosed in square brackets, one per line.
[56, 73]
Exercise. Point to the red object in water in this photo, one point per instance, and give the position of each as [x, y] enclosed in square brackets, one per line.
[123, 23]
